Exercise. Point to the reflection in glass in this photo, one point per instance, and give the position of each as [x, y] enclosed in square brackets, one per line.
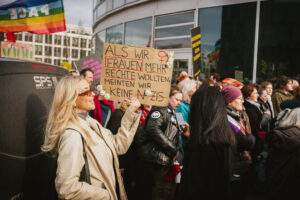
[173, 44]
[101, 9]
[100, 40]
[279, 41]
[179, 66]
[139, 32]
[174, 31]
[115, 34]
[227, 42]
[175, 19]
[117, 3]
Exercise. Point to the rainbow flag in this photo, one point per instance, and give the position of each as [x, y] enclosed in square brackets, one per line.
[35, 16]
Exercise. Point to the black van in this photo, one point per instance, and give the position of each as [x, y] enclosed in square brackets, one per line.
[27, 90]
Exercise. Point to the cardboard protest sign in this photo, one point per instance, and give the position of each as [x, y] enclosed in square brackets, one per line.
[130, 71]
[15, 50]
[92, 62]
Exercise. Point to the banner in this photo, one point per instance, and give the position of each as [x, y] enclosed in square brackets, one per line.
[196, 48]
[19, 51]
[35, 16]
[130, 71]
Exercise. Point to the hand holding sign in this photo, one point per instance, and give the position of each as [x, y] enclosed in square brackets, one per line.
[134, 104]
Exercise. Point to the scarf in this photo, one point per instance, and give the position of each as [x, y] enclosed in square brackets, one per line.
[97, 111]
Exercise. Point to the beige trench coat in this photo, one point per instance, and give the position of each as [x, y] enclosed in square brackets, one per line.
[70, 159]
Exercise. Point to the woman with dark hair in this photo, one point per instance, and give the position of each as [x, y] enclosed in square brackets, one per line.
[283, 92]
[206, 168]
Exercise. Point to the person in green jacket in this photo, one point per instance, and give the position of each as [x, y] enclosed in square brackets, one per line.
[283, 92]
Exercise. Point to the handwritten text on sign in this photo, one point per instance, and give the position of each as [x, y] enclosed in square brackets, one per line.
[130, 71]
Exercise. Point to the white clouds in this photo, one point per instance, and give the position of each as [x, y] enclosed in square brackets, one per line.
[79, 12]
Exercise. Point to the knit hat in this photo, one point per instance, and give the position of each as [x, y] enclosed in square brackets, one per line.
[230, 93]
[231, 81]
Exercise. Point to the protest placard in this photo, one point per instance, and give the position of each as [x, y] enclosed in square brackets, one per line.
[130, 71]
[92, 62]
[16, 50]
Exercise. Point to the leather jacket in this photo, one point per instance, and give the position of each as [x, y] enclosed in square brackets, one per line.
[158, 143]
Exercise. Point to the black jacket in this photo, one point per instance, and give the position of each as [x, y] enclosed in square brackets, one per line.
[206, 173]
[255, 118]
[158, 143]
[244, 142]
[283, 163]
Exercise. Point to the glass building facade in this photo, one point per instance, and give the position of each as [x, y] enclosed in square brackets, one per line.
[253, 40]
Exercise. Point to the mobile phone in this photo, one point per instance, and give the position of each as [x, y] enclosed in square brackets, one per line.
[180, 121]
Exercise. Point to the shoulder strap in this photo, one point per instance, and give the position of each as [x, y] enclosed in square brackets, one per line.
[85, 172]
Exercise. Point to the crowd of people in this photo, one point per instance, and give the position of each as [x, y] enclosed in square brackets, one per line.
[234, 141]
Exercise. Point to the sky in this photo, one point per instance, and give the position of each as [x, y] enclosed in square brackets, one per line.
[79, 12]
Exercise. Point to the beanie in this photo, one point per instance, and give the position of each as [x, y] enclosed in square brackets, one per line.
[230, 93]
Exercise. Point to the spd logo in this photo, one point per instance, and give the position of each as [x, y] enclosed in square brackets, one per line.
[44, 82]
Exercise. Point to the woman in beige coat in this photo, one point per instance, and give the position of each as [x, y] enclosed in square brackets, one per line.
[68, 123]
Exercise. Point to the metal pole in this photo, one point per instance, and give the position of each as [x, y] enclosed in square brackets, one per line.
[256, 41]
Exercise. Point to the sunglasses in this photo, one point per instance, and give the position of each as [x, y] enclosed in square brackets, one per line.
[87, 93]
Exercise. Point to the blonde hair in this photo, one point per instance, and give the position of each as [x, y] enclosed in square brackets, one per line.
[62, 113]
[293, 119]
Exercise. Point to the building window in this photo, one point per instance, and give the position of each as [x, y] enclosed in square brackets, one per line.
[57, 62]
[115, 34]
[75, 42]
[57, 39]
[82, 53]
[67, 41]
[101, 9]
[38, 59]
[227, 41]
[39, 38]
[74, 53]
[139, 32]
[173, 31]
[279, 42]
[28, 37]
[18, 36]
[83, 43]
[117, 3]
[48, 39]
[38, 50]
[129, 1]
[48, 51]
[100, 40]
[66, 52]
[57, 51]
[48, 60]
